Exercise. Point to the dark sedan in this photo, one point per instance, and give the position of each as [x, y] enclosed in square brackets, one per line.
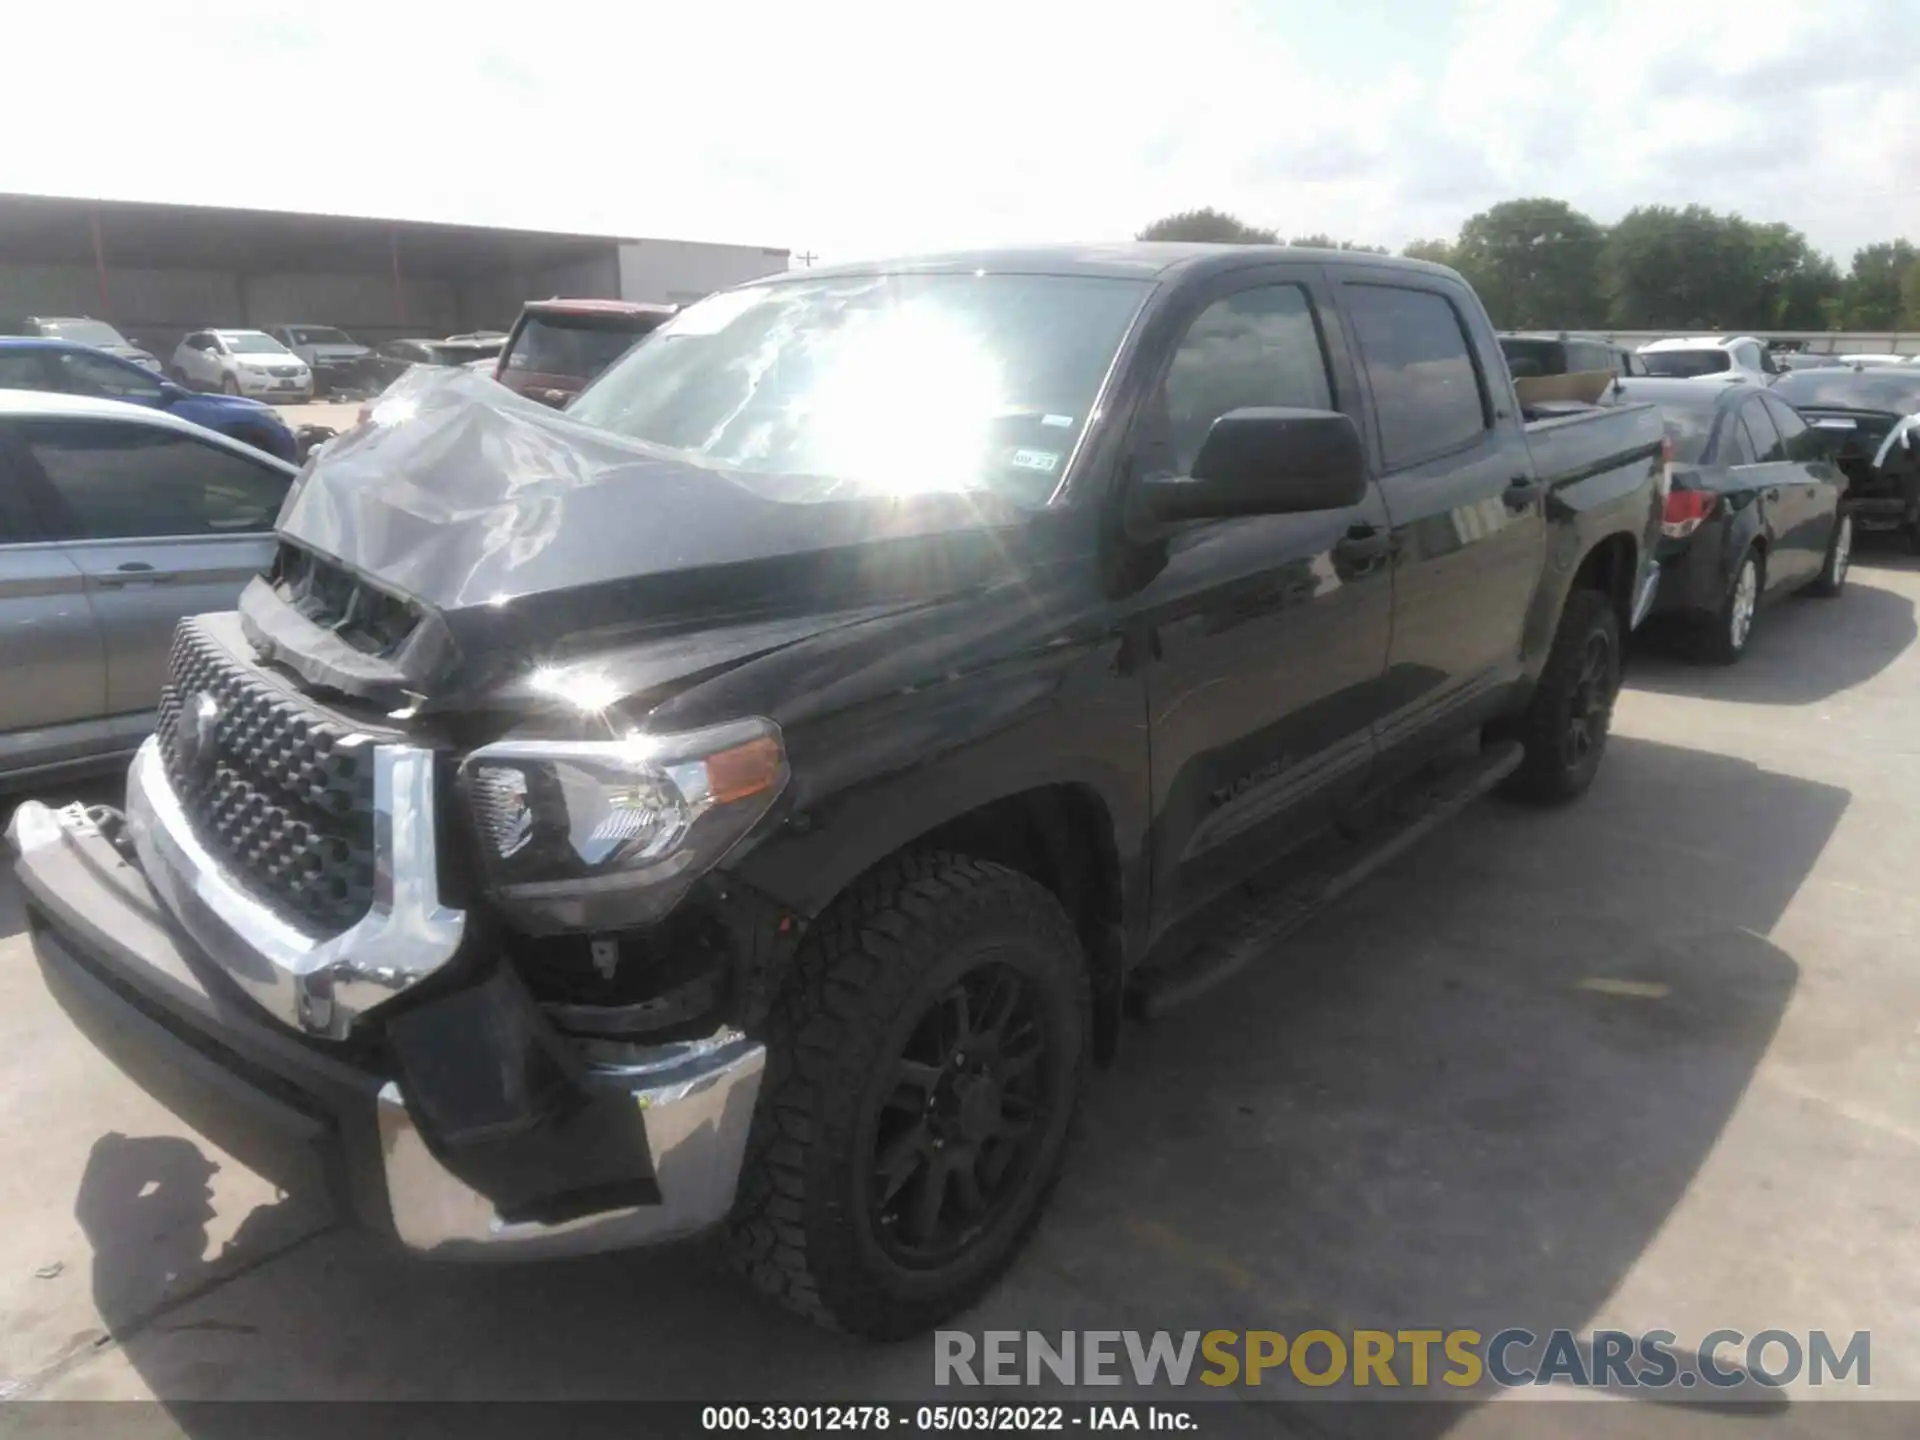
[1756, 510]
[396, 357]
[1870, 418]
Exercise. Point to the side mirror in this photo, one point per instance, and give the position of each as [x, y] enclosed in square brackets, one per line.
[1265, 462]
[170, 392]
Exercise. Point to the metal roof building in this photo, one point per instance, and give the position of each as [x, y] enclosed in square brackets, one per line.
[157, 271]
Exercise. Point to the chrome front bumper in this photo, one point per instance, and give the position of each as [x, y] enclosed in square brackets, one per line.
[114, 952]
[317, 985]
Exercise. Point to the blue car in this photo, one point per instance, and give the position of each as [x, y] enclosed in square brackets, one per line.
[66, 368]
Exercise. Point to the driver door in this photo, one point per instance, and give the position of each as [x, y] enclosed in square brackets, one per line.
[1265, 636]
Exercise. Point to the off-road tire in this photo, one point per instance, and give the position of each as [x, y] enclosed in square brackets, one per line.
[1549, 775]
[799, 1229]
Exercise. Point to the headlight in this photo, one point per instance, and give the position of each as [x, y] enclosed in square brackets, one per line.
[600, 834]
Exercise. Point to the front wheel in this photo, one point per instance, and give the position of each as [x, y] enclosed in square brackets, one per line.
[1833, 572]
[924, 1064]
[1564, 730]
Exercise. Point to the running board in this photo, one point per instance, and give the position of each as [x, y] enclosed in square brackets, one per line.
[1251, 930]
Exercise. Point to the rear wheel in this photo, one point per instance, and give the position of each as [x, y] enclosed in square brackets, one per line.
[1833, 572]
[1725, 638]
[924, 1063]
[1565, 728]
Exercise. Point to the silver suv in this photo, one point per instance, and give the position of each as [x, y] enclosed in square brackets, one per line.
[115, 521]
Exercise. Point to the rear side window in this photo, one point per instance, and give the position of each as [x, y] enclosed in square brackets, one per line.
[1426, 389]
[1689, 429]
[1733, 447]
[1685, 364]
[114, 480]
[1254, 348]
[22, 370]
[84, 374]
[1795, 434]
[1761, 430]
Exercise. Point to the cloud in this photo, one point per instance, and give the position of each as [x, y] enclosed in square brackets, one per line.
[854, 127]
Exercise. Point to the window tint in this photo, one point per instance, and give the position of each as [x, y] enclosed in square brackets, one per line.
[22, 370]
[1589, 357]
[116, 480]
[1257, 347]
[1795, 434]
[92, 375]
[1762, 431]
[1425, 387]
[1733, 447]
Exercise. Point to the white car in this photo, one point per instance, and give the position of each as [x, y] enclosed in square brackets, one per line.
[243, 362]
[1710, 357]
[1876, 357]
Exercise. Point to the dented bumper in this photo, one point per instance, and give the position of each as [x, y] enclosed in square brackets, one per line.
[469, 1130]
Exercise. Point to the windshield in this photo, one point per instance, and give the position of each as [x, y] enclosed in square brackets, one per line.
[82, 332]
[888, 383]
[319, 335]
[1685, 364]
[579, 346]
[248, 343]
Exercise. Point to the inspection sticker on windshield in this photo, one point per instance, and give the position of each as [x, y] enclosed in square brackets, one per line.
[1042, 460]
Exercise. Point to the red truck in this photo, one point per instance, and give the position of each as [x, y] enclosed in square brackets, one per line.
[558, 346]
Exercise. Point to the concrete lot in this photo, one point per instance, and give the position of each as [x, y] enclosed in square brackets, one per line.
[1440, 1106]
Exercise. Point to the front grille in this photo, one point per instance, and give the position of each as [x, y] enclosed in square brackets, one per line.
[371, 621]
[271, 786]
[283, 370]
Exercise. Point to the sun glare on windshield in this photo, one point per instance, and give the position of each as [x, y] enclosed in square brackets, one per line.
[904, 382]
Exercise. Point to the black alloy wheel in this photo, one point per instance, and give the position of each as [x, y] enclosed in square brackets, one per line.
[958, 1132]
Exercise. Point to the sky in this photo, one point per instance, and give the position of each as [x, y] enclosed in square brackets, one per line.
[854, 128]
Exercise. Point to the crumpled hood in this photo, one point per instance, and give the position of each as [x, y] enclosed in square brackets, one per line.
[520, 527]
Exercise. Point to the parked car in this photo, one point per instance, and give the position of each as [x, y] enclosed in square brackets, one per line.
[1870, 418]
[395, 357]
[115, 521]
[558, 347]
[829, 712]
[1531, 355]
[81, 330]
[65, 368]
[1873, 357]
[334, 357]
[1790, 360]
[1712, 357]
[1756, 510]
[243, 362]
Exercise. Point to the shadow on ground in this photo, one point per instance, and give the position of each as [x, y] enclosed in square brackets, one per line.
[1802, 650]
[1468, 1096]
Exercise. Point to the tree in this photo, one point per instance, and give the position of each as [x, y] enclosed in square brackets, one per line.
[1667, 269]
[1327, 242]
[1440, 252]
[1791, 281]
[1207, 225]
[1910, 298]
[1873, 299]
[1535, 262]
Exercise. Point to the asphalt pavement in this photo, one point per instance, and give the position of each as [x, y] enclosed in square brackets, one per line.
[1647, 1062]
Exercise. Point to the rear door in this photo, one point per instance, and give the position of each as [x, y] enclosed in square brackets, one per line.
[160, 523]
[1794, 550]
[1469, 524]
[1821, 485]
[56, 671]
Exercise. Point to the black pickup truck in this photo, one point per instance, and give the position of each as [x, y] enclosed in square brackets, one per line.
[751, 798]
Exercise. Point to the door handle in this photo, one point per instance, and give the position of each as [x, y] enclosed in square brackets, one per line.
[134, 573]
[1364, 546]
[1520, 492]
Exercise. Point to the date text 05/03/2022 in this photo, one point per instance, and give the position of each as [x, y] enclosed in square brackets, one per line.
[935, 1419]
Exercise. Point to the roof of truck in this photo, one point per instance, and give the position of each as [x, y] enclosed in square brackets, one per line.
[1135, 259]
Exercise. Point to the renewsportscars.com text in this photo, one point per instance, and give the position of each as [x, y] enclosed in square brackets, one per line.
[1606, 1359]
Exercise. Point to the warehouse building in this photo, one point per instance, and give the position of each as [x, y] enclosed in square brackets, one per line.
[157, 271]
